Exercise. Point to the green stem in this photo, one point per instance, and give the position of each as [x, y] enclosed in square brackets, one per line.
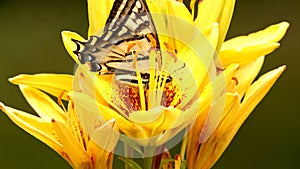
[183, 147]
[148, 161]
[128, 152]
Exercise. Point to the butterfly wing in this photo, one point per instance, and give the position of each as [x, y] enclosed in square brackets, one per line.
[129, 28]
[127, 20]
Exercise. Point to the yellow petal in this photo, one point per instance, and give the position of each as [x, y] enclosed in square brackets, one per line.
[43, 105]
[75, 151]
[172, 17]
[178, 19]
[211, 150]
[246, 54]
[178, 9]
[102, 159]
[67, 37]
[87, 107]
[107, 90]
[157, 9]
[88, 83]
[273, 33]
[184, 119]
[208, 13]
[198, 63]
[232, 122]
[245, 76]
[54, 84]
[224, 20]
[193, 138]
[75, 126]
[213, 118]
[216, 88]
[229, 72]
[106, 136]
[166, 18]
[209, 116]
[37, 127]
[98, 11]
[255, 45]
[102, 143]
[213, 97]
[212, 33]
[157, 6]
[157, 119]
[259, 89]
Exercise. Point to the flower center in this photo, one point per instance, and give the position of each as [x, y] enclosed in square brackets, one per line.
[132, 98]
[150, 88]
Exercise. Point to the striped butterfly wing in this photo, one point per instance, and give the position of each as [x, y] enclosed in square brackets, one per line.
[128, 35]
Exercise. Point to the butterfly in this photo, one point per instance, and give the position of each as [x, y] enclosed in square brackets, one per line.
[128, 35]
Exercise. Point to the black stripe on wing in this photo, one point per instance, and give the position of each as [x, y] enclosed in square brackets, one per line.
[128, 19]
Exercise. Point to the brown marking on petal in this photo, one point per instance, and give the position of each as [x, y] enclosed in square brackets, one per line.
[219, 70]
[59, 100]
[170, 91]
[235, 80]
[128, 93]
[170, 50]
[81, 74]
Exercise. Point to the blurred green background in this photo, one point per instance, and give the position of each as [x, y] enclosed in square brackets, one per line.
[31, 43]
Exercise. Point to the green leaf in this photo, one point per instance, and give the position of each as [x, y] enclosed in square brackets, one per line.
[130, 163]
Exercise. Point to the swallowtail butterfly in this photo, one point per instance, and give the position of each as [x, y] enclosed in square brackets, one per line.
[128, 36]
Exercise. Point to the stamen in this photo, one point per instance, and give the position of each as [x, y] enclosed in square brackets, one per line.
[152, 80]
[159, 91]
[140, 83]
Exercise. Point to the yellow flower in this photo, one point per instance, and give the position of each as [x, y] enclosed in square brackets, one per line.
[242, 94]
[237, 65]
[60, 129]
[210, 94]
[148, 116]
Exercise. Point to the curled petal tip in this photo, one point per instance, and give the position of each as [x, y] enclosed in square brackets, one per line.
[112, 122]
